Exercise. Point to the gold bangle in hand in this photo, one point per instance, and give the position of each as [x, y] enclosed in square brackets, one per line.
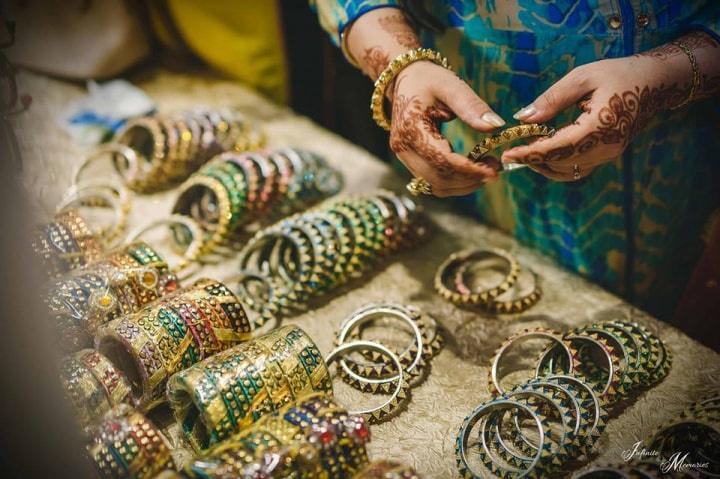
[506, 136]
[389, 74]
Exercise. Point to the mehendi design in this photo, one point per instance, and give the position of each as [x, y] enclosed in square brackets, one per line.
[625, 115]
[374, 61]
[693, 40]
[397, 26]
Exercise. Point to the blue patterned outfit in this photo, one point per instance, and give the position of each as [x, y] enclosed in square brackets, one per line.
[633, 225]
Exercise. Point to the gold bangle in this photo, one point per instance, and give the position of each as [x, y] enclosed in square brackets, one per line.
[695, 71]
[506, 136]
[388, 75]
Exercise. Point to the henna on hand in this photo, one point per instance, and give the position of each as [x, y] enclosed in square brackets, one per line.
[413, 126]
[374, 61]
[398, 27]
[625, 115]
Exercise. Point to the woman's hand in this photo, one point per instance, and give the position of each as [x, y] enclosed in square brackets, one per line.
[423, 95]
[617, 98]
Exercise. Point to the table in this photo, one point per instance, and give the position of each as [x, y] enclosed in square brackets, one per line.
[424, 434]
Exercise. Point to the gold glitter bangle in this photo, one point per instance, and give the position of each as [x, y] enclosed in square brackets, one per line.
[695, 73]
[388, 75]
[506, 136]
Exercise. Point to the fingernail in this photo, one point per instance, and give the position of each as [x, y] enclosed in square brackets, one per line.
[492, 118]
[526, 112]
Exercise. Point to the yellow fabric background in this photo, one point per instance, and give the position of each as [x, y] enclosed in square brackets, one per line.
[242, 39]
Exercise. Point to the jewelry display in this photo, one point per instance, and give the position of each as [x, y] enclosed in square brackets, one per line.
[220, 396]
[120, 283]
[398, 64]
[312, 437]
[93, 385]
[66, 243]
[127, 445]
[373, 374]
[515, 290]
[236, 190]
[537, 427]
[306, 255]
[156, 152]
[172, 334]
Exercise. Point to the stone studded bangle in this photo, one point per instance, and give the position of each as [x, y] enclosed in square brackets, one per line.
[233, 389]
[127, 444]
[93, 385]
[161, 339]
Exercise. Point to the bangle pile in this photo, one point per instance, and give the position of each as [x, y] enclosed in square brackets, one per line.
[537, 427]
[306, 255]
[311, 438]
[127, 445]
[515, 290]
[66, 243]
[93, 385]
[172, 334]
[372, 373]
[236, 190]
[216, 398]
[121, 282]
[157, 152]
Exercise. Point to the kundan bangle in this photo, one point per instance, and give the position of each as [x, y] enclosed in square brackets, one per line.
[93, 385]
[312, 437]
[126, 444]
[172, 334]
[506, 136]
[218, 397]
[120, 283]
[388, 75]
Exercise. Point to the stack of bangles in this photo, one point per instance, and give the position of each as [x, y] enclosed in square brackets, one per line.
[226, 393]
[369, 372]
[283, 266]
[687, 446]
[119, 283]
[156, 152]
[537, 427]
[66, 243]
[236, 190]
[170, 335]
[471, 278]
[311, 438]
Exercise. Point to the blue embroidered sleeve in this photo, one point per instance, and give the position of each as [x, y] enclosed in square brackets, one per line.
[336, 15]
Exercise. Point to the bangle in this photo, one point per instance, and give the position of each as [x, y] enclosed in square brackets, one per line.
[233, 389]
[127, 444]
[388, 75]
[312, 437]
[446, 274]
[506, 136]
[172, 334]
[695, 73]
[93, 385]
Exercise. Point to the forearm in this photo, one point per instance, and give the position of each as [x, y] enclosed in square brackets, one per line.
[377, 37]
